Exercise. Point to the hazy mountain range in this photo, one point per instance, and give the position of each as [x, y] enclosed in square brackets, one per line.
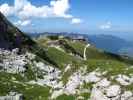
[112, 44]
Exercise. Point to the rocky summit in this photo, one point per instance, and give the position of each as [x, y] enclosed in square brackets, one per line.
[59, 68]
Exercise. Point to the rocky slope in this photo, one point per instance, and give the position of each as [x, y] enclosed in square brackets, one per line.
[54, 68]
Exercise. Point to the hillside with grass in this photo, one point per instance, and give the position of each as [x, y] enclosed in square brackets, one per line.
[55, 68]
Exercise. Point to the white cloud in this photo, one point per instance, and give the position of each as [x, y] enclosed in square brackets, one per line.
[6, 9]
[23, 23]
[76, 21]
[107, 25]
[60, 8]
[24, 10]
[30, 10]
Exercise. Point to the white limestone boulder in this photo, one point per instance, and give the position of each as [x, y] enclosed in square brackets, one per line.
[113, 91]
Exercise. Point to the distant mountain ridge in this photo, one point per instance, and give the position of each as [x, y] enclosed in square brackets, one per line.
[109, 43]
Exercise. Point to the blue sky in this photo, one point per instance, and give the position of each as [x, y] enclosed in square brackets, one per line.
[70, 15]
